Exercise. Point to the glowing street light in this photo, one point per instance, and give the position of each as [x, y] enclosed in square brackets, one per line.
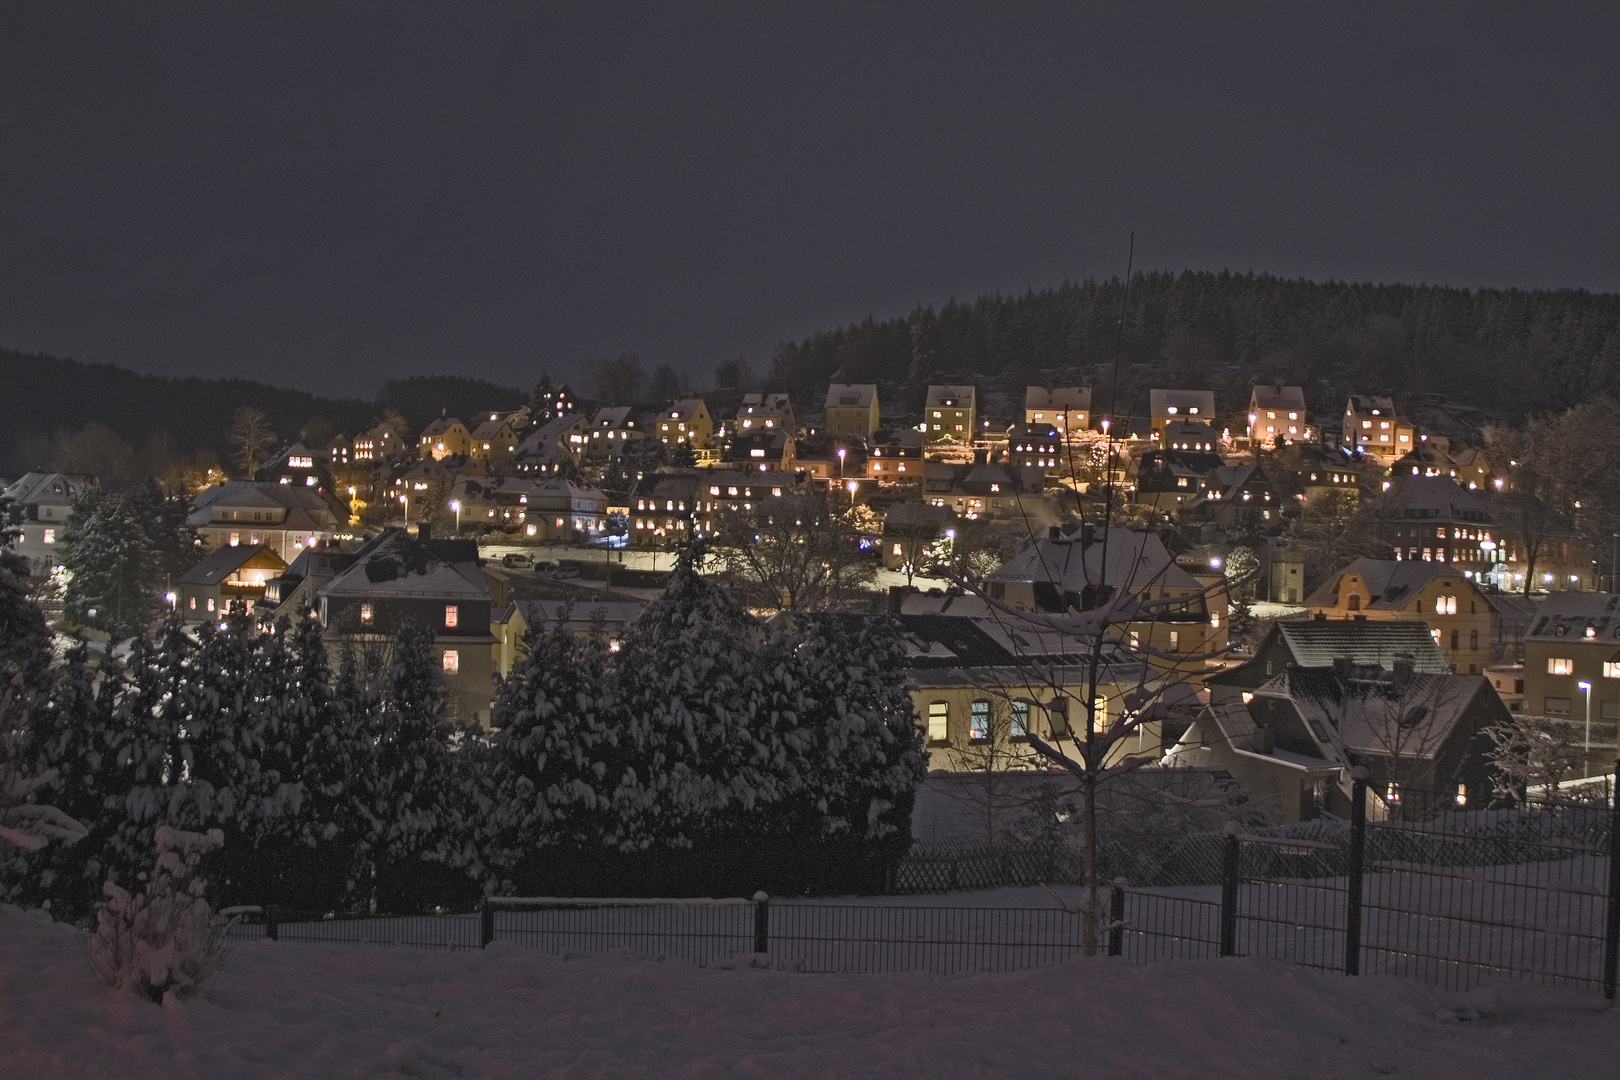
[456, 506]
[1586, 759]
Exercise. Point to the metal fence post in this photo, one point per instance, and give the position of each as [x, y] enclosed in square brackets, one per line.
[486, 923]
[1611, 935]
[1229, 890]
[762, 922]
[270, 929]
[1116, 918]
[1358, 862]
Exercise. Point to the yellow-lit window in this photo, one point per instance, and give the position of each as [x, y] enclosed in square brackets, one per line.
[365, 613]
[450, 614]
[452, 661]
[939, 716]
[1557, 665]
[50, 536]
[1611, 669]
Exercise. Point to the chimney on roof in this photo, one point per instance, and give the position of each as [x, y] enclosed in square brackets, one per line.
[1403, 671]
[1320, 616]
[1342, 665]
[979, 456]
[1054, 533]
[1088, 534]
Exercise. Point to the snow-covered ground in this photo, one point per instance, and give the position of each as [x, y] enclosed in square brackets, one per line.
[286, 1010]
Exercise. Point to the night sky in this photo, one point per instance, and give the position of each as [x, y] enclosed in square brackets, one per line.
[338, 197]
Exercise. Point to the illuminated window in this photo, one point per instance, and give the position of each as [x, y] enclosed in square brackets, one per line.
[450, 616]
[1611, 669]
[452, 661]
[193, 603]
[236, 538]
[1560, 666]
[979, 722]
[939, 715]
[50, 536]
[365, 613]
[210, 603]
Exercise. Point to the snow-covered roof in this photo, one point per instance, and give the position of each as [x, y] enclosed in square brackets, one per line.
[1135, 560]
[1391, 582]
[1058, 398]
[1277, 396]
[398, 565]
[221, 564]
[1200, 403]
[850, 395]
[1567, 616]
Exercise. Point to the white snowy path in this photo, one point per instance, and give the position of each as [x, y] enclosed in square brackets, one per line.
[285, 1010]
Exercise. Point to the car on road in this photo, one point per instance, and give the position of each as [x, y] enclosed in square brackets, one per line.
[517, 560]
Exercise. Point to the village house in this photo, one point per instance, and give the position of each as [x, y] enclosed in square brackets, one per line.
[1037, 444]
[895, 456]
[445, 437]
[230, 575]
[851, 410]
[983, 489]
[1564, 560]
[662, 505]
[551, 448]
[1195, 435]
[291, 593]
[1458, 613]
[724, 491]
[1319, 641]
[42, 501]
[1299, 734]
[1081, 571]
[950, 414]
[1436, 519]
[552, 403]
[686, 423]
[1168, 479]
[1067, 408]
[282, 517]
[1572, 656]
[494, 439]
[605, 620]
[494, 502]
[1371, 427]
[299, 466]
[378, 444]
[1166, 407]
[774, 412]
[1276, 415]
[562, 509]
[1235, 494]
[610, 431]
[916, 535]
[438, 585]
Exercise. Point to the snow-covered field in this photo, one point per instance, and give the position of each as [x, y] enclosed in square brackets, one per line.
[287, 1010]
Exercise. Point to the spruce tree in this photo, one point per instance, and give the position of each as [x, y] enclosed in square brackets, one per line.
[25, 639]
[114, 573]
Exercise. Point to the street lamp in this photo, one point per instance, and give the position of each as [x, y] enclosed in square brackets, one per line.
[456, 506]
[852, 486]
[405, 501]
[1586, 758]
[841, 452]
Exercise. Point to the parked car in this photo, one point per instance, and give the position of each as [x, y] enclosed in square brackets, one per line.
[517, 559]
[545, 566]
[564, 572]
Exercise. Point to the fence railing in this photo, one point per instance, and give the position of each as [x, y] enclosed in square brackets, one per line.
[1447, 898]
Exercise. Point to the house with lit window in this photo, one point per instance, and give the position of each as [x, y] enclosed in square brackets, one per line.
[1572, 657]
[552, 403]
[915, 536]
[1436, 519]
[605, 620]
[282, 517]
[230, 575]
[562, 509]
[773, 412]
[986, 489]
[1039, 444]
[1067, 408]
[1167, 407]
[981, 686]
[686, 423]
[291, 593]
[1169, 479]
[1276, 415]
[760, 448]
[720, 492]
[662, 505]
[895, 456]
[551, 448]
[445, 437]
[494, 439]
[1235, 494]
[378, 444]
[41, 503]
[851, 409]
[950, 414]
[1194, 435]
[1319, 642]
[1297, 736]
[1457, 611]
[299, 466]
[1082, 570]
[1371, 427]
[610, 430]
[1564, 560]
[436, 584]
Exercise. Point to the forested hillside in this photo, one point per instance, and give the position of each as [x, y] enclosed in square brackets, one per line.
[1509, 351]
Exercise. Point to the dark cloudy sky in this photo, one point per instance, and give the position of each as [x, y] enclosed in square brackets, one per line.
[330, 195]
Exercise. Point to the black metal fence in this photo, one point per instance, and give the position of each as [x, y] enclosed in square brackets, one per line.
[1449, 897]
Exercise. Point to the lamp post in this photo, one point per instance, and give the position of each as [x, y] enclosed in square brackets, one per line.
[456, 506]
[1586, 758]
[852, 485]
[841, 452]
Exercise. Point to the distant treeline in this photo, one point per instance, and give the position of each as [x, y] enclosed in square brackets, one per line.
[1509, 351]
[46, 395]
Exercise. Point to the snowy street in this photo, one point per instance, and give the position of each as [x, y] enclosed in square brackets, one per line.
[280, 1009]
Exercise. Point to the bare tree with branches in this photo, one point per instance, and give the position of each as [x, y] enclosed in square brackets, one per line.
[792, 552]
[250, 438]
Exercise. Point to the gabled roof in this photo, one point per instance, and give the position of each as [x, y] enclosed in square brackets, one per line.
[1390, 582]
[951, 397]
[221, 564]
[1160, 402]
[489, 429]
[1135, 560]
[685, 409]
[440, 426]
[395, 564]
[1277, 396]
[1566, 616]
[850, 395]
[543, 615]
[1372, 713]
[615, 417]
[48, 487]
[1437, 496]
[1058, 398]
[1317, 643]
[1369, 405]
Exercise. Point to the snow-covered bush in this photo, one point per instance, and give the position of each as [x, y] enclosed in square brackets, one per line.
[164, 937]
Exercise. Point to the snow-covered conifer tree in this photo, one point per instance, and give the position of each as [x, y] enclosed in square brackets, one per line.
[114, 576]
